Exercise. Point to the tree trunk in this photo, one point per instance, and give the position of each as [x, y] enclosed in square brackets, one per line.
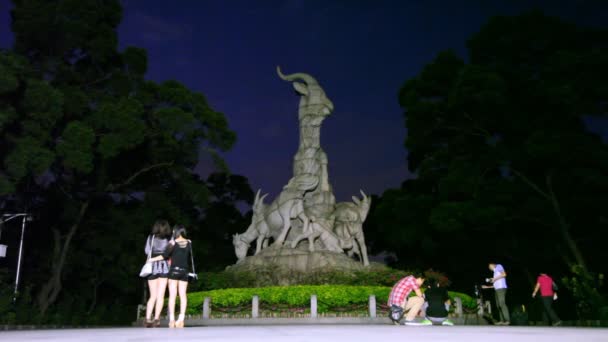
[563, 226]
[50, 291]
[95, 286]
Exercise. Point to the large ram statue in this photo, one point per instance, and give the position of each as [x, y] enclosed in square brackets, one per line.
[307, 201]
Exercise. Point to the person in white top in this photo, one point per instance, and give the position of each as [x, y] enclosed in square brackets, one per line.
[499, 283]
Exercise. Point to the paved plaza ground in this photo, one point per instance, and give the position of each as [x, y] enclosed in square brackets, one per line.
[316, 333]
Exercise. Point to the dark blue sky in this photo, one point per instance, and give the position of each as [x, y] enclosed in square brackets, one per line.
[360, 51]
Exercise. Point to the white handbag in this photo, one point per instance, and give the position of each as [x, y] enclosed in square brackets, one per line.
[146, 270]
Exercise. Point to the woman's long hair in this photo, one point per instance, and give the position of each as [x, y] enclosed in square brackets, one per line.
[161, 229]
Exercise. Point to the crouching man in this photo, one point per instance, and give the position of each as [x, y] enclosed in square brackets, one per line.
[411, 306]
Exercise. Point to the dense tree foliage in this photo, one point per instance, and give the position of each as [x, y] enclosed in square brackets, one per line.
[506, 168]
[97, 153]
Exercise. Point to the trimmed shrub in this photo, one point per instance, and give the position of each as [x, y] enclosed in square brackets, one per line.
[376, 276]
[330, 298]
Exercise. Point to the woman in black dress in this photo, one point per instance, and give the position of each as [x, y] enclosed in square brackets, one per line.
[438, 301]
[179, 252]
[156, 244]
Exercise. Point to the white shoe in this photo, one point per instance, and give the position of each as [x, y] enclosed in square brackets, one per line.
[447, 322]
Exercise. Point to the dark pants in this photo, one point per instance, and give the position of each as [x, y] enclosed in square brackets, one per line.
[501, 303]
[548, 309]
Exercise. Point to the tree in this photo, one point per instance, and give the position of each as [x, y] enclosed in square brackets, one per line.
[82, 131]
[500, 149]
[222, 218]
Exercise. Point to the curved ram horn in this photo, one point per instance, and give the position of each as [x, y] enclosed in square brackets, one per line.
[262, 198]
[362, 193]
[365, 198]
[292, 77]
[257, 196]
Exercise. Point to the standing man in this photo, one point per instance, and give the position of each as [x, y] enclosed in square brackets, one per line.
[399, 296]
[547, 288]
[499, 283]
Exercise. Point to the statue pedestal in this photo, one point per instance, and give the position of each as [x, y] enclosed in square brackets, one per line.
[289, 266]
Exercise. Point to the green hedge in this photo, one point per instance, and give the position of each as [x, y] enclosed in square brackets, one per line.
[329, 296]
[264, 277]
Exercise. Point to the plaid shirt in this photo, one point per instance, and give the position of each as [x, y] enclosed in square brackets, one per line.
[401, 290]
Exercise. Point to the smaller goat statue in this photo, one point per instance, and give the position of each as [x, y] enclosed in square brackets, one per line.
[273, 219]
[258, 230]
[348, 226]
[317, 229]
[347, 229]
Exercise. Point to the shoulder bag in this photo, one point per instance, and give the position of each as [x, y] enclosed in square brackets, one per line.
[192, 276]
[146, 269]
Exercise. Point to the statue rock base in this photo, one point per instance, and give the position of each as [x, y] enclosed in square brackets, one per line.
[287, 266]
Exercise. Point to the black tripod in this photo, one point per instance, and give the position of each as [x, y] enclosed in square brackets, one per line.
[480, 306]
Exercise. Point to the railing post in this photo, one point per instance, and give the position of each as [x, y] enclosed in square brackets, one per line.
[140, 308]
[206, 308]
[313, 306]
[458, 306]
[372, 306]
[255, 307]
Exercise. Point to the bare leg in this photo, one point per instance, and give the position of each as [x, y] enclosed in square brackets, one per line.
[172, 296]
[265, 243]
[160, 297]
[153, 286]
[183, 303]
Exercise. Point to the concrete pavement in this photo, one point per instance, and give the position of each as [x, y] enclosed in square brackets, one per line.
[314, 333]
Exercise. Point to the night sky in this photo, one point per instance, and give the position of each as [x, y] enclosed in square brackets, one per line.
[361, 52]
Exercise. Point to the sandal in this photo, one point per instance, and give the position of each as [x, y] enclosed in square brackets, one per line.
[148, 323]
[179, 324]
[171, 324]
[156, 323]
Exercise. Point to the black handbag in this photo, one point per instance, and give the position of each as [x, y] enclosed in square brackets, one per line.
[395, 313]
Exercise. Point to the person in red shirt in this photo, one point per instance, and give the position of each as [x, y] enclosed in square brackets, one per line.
[399, 296]
[546, 286]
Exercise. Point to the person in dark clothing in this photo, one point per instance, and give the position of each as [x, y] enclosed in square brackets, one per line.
[178, 251]
[438, 300]
[156, 244]
[547, 288]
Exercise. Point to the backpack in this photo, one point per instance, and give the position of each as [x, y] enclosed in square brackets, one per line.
[395, 313]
